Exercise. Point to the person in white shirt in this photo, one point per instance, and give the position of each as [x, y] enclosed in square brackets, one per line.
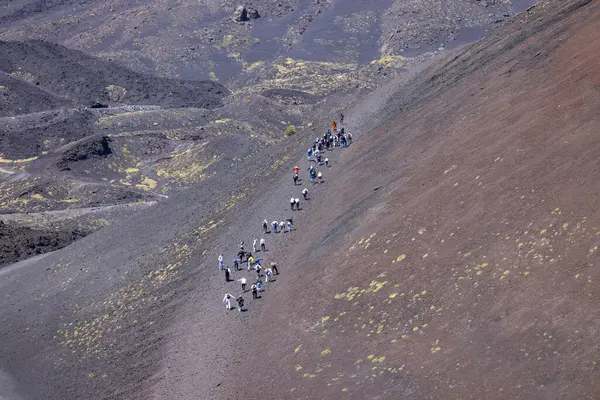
[221, 263]
[268, 273]
[292, 203]
[243, 281]
[274, 268]
[297, 201]
[227, 301]
[265, 226]
[305, 193]
[263, 244]
[254, 245]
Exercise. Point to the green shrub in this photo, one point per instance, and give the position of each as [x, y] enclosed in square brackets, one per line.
[290, 130]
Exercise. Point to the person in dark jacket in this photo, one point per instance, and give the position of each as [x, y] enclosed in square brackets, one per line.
[240, 302]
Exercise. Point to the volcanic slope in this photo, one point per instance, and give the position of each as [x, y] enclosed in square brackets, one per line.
[135, 310]
[453, 251]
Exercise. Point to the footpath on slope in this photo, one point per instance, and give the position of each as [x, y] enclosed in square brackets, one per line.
[206, 342]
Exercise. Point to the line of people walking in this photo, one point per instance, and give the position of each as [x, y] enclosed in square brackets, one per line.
[333, 138]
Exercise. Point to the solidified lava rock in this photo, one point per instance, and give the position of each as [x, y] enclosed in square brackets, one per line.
[94, 147]
[240, 14]
[253, 13]
[19, 243]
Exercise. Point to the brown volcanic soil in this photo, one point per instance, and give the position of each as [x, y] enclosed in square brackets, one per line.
[453, 251]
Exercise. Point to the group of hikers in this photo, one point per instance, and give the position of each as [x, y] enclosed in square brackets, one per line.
[332, 138]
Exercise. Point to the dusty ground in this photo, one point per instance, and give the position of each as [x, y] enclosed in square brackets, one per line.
[458, 259]
[449, 253]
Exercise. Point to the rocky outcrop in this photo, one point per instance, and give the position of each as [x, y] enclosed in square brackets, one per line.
[253, 13]
[240, 14]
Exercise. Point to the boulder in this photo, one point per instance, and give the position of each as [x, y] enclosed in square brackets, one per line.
[241, 14]
[253, 13]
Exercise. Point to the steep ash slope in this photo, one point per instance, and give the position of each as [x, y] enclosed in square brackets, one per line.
[453, 251]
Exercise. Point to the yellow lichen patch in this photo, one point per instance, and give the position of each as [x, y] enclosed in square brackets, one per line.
[280, 162]
[185, 167]
[19, 161]
[345, 389]
[325, 318]
[249, 67]
[422, 231]
[319, 78]
[325, 352]
[37, 196]
[233, 201]
[116, 93]
[298, 367]
[132, 170]
[298, 348]
[401, 257]
[467, 254]
[393, 295]
[223, 121]
[435, 350]
[147, 184]
[370, 356]
[205, 228]
[425, 255]
[390, 61]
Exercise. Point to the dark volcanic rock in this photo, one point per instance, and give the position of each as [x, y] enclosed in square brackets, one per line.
[18, 96]
[27, 136]
[80, 78]
[240, 14]
[89, 148]
[253, 13]
[19, 243]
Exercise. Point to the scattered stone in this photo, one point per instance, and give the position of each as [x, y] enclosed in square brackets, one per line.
[253, 13]
[241, 14]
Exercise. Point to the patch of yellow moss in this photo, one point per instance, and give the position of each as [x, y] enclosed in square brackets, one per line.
[391, 61]
[147, 184]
